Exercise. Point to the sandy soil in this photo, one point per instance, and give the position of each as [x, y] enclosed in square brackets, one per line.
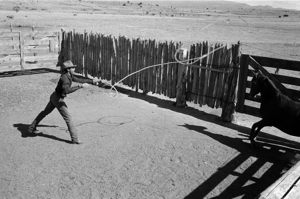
[135, 145]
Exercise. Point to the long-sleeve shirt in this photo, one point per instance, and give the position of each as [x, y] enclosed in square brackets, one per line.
[64, 85]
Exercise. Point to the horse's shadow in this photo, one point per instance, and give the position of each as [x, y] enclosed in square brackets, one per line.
[23, 128]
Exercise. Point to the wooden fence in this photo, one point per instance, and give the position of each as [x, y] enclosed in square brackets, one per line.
[28, 50]
[210, 81]
[287, 81]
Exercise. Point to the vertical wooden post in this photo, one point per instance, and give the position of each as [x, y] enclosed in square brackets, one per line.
[229, 104]
[85, 43]
[182, 78]
[242, 83]
[21, 42]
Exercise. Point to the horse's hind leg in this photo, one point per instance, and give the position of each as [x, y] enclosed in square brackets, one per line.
[255, 130]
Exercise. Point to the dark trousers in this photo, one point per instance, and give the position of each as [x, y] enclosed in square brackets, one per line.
[56, 102]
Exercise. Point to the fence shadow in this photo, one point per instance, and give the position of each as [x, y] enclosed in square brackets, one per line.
[280, 153]
[246, 183]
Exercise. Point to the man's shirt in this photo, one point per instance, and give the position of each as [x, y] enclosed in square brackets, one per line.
[64, 85]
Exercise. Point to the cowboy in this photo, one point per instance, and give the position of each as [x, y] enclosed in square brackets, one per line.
[63, 88]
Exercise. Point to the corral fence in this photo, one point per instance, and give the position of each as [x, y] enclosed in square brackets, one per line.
[20, 50]
[287, 80]
[211, 80]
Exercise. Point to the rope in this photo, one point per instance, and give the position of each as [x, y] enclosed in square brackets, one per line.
[162, 64]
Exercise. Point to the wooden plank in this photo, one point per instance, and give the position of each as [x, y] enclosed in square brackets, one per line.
[46, 64]
[127, 48]
[278, 63]
[219, 89]
[109, 57]
[170, 66]
[39, 49]
[244, 63]
[287, 80]
[36, 42]
[102, 70]
[81, 48]
[5, 43]
[11, 67]
[137, 75]
[85, 53]
[7, 52]
[191, 78]
[113, 67]
[152, 43]
[195, 71]
[154, 70]
[104, 53]
[117, 71]
[140, 59]
[22, 61]
[152, 63]
[284, 185]
[10, 58]
[203, 74]
[91, 54]
[208, 76]
[148, 63]
[176, 70]
[295, 191]
[9, 34]
[165, 69]
[198, 86]
[130, 62]
[214, 76]
[120, 57]
[49, 56]
[143, 79]
[159, 69]
[133, 62]
[97, 45]
[40, 34]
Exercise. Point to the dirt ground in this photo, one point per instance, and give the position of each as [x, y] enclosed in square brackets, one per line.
[138, 146]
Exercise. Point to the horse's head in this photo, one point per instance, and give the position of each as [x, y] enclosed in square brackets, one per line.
[257, 79]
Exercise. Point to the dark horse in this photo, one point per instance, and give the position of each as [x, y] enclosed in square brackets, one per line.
[276, 109]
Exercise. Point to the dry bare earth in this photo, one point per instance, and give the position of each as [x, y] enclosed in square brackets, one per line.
[137, 146]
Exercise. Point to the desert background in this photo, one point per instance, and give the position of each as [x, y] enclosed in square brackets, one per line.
[141, 146]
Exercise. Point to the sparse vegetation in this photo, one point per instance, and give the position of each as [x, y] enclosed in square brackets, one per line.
[16, 8]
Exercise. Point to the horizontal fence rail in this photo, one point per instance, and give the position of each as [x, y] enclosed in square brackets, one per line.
[28, 50]
[286, 80]
[211, 81]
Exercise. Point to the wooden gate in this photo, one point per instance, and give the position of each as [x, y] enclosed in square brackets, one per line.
[28, 50]
[287, 80]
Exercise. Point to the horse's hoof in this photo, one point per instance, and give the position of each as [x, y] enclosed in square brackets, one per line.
[253, 144]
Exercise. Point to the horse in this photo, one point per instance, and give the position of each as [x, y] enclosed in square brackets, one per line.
[276, 109]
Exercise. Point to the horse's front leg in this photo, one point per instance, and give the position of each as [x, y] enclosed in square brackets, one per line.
[256, 127]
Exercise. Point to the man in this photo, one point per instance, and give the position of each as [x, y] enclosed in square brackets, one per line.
[63, 88]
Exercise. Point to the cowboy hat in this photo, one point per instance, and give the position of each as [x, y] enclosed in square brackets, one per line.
[67, 64]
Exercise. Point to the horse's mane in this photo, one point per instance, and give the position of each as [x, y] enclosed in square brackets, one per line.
[277, 92]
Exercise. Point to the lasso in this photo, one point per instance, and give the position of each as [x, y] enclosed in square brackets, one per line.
[187, 62]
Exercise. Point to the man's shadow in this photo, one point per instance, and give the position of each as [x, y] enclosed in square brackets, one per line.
[23, 128]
